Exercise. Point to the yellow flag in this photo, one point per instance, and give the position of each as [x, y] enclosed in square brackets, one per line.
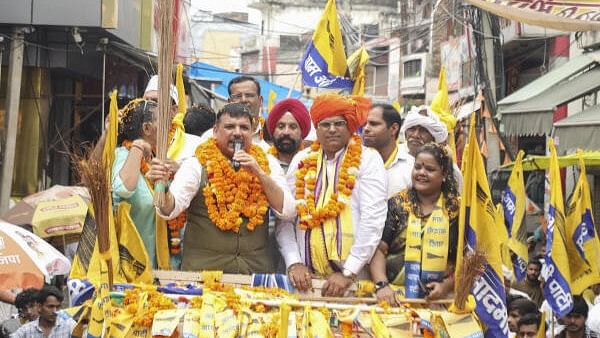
[327, 39]
[441, 106]
[477, 230]
[357, 62]
[108, 153]
[541, 333]
[134, 262]
[178, 138]
[557, 289]
[101, 312]
[271, 102]
[513, 203]
[583, 246]
[397, 106]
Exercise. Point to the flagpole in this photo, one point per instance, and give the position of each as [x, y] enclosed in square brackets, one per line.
[294, 85]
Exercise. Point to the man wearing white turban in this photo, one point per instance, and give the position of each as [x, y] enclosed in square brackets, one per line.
[422, 126]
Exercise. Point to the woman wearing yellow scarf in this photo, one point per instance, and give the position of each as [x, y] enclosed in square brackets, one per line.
[418, 246]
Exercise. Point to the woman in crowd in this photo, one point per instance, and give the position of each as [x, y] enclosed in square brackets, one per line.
[418, 246]
[137, 139]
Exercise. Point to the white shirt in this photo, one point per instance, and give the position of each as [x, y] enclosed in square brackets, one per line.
[593, 319]
[399, 174]
[190, 144]
[186, 185]
[368, 203]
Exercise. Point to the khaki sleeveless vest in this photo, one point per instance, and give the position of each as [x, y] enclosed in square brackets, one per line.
[206, 247]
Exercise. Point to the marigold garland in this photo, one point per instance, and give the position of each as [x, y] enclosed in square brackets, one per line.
[230, 194]
[306, 180]
[144, 166]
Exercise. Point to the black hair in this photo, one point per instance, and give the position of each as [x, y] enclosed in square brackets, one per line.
[523, 306]
[536, 262]
[580, 306]
[530, 319]
[26, 298]
[133, 117]
[449, 184]
[390, 115]
[236, 110]
[48, 291]
[243, 78]
[199, 119]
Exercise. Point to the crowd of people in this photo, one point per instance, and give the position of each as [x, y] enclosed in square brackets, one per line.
[331, 195]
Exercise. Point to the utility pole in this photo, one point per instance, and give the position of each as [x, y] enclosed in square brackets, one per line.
[15, 72]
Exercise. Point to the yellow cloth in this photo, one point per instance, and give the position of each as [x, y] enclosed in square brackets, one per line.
[101, 309]
[542, 328]
[388, 163]
[314, 324]
[583, 248]
[323, 241]
[357, 61]
[515, 207]
[327, 39]
[134, 262]
[178, 138]
[379, 328]
[441, 106]
[271, 102]
[426, 256]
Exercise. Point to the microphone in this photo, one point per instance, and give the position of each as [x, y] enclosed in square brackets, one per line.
[238, 144]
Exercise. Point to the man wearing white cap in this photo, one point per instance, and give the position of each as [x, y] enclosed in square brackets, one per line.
[422, 126]
[190, 142]
[151, 93]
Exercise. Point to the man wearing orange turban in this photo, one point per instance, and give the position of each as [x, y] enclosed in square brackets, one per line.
[341, 192]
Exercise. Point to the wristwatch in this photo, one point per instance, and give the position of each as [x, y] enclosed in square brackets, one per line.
[348, 274]
[380, 285]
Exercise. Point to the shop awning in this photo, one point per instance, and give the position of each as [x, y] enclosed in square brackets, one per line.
[554, 76]
[566, 15]
[533, 116]
[581, 130]
[467, 109]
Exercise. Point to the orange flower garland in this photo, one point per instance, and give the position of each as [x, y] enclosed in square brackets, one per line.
[306, 180]
[175, 225]
[230, 194]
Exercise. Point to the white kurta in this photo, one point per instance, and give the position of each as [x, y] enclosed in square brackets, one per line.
[399, 174]
[369, 209]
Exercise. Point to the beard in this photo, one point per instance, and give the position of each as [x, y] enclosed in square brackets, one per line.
[286, 145]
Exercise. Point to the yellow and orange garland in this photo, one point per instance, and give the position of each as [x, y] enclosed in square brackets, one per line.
[230, 194]
[306, 179]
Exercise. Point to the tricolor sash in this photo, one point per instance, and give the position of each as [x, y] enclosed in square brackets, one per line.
[332, 241]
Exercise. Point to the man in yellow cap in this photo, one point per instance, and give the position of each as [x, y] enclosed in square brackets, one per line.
[341, 193]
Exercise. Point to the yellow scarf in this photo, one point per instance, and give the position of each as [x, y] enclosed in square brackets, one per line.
[390, 161]
[333, 240]
[426, 254]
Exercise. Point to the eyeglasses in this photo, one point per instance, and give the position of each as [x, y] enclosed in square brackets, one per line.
[241, 96]
[326, 125]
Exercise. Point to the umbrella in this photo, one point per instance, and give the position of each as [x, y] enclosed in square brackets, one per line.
[27, 260]
[38, 212]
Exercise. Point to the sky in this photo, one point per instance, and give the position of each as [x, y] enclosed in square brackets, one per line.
[219, 6]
